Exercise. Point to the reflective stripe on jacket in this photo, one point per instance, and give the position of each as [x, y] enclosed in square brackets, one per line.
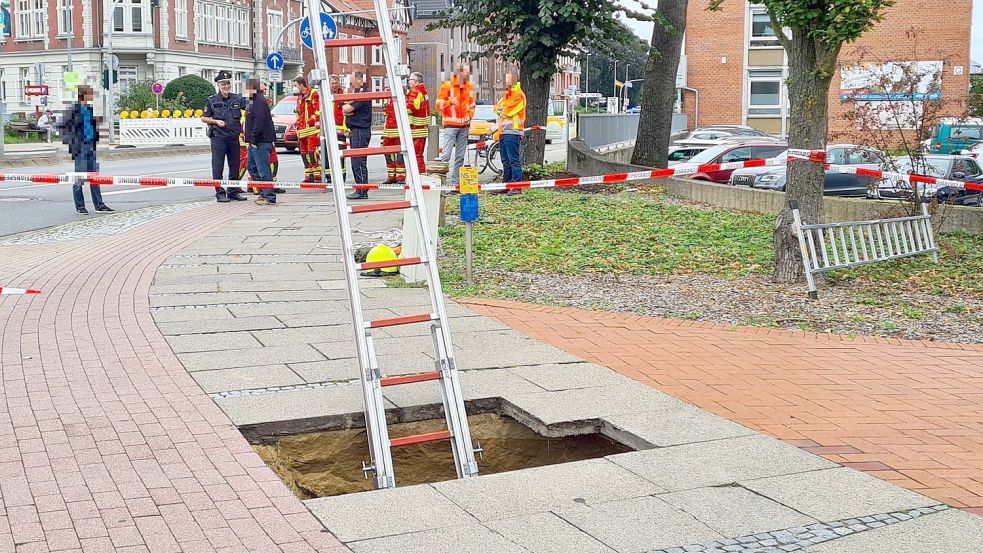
[456, 115]
[511, 109]
[418, 106]
[308, 114]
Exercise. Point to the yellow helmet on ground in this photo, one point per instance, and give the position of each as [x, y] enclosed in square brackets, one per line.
[382, 252]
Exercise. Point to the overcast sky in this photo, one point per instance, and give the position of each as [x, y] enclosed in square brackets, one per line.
[644, 29]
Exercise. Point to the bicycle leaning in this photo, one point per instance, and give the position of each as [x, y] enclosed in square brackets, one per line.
[486, 155]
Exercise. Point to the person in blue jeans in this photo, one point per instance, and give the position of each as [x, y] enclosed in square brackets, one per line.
[511, 111]
[81, 134]
[259, 135]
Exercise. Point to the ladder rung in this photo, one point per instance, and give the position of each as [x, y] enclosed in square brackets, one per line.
[390, 263]
[420, 438]
[363, 96]
[378, 150]
[396, 321]
[345, 42]
[410, 378]
[379, 206]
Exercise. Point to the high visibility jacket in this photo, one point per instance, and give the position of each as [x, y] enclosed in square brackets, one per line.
[511, 109]
[390, 129]
[418, 106]
[308, 114]
[456, 115]
[339, 115]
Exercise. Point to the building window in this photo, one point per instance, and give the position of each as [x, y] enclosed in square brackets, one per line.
[25, 80]
[342, 52]
[762, 32]
[274, 24]
[242, 19]
[65, 17]
[31, 18]
[136, 16]
[358, 53]
[181, 18]
[377, 87]
[181, 70]
[765, 93]
[224, 24]
[127, 77]
[210, 23]
[377, 55]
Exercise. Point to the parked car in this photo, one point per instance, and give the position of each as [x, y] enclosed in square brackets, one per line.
[285, 123]
[727, 153]
[773, 176]
[974, 151]
[952, 135]
[958, 168]
[713, 136]
[483, 123]
[680, 154]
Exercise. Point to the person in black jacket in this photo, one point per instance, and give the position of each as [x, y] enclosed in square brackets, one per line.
[259, 134]
[80, 131]
[358, 117]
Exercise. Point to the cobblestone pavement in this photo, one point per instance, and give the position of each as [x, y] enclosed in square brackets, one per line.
[106, 442]
[907, 412]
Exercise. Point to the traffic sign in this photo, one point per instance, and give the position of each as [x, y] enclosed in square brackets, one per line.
[113, 62]
[36, 90]
[274, 61]
[328, 30]
[157, 88]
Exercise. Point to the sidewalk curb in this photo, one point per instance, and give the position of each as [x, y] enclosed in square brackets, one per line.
[41, 158]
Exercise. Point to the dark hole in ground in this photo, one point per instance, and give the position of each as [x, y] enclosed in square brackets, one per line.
[321, 464]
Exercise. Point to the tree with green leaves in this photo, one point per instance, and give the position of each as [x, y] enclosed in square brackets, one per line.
[818, 30]
[600, 65]
[976, 95]
[192, 90]
[655, 124]
[534, 33]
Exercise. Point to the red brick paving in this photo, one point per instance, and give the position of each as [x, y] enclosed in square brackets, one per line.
[907, 412]
[106, 442]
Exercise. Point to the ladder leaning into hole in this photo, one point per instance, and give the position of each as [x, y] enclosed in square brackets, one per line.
[380, 444]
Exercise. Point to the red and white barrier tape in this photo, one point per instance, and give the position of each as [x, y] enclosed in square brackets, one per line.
[17, 291]
[681, 170]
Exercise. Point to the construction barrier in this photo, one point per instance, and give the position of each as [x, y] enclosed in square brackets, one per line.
[17, 291]
[827, 247]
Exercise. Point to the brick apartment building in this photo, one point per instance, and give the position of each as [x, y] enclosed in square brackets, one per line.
[176, 38]
[734, 61]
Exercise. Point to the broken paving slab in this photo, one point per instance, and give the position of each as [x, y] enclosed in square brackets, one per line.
[176, 314]
[335, 400]
[555, 377]
[949, 531]
[380, 513]
[252, 357]
[209, 326]
[547, 533]
[191, 343]
[735, 511]
[837, 493]
[548, 488]
[639, 524]
[685, 425]
[720, 462]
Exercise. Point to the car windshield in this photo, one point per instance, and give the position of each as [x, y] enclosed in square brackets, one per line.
[485, 113]
[932, 167]
[710, 154]
[284, 107]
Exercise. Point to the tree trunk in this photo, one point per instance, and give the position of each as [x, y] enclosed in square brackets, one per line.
[537, 91]
[808, 91]
[655, 125]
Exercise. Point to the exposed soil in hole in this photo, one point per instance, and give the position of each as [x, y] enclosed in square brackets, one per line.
[321, 464]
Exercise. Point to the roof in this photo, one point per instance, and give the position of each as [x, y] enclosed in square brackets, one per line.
[426, 9]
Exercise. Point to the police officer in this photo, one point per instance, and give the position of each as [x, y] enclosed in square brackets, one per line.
[223, 113]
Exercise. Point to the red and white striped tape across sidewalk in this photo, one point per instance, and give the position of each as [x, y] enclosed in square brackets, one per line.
[681, 170]
[17, 291]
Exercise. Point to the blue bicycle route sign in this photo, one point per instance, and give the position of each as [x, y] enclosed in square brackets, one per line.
[328, 29]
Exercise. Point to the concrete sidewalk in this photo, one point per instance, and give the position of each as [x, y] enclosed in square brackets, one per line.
[257, 314]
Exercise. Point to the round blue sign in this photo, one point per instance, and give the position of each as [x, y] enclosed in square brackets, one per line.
[274, 61]
[328, 30]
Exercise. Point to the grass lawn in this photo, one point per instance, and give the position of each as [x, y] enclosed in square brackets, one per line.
[646, 233]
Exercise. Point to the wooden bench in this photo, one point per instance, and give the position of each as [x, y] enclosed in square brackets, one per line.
[23, 129]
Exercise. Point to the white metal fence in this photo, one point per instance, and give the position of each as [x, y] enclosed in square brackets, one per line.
[162, 132]
[827, 247]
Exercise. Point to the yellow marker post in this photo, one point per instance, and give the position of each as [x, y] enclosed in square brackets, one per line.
[468, 188]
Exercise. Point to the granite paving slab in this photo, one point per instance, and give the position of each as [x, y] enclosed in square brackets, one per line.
[950, 531]
[547, 533]
[246, 378]
[464, 538]
[735, 511]
[685, 425]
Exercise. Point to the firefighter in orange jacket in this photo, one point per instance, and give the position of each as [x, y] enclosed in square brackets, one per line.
[456, 104]
[418, 106]
[395, 169]
[309, 129]
[341, 130]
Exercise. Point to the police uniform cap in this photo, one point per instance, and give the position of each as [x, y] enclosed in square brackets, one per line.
[223, 75]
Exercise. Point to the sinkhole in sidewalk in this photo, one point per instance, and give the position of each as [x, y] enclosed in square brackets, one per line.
[322, 464]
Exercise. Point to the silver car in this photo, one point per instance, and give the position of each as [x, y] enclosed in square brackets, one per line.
[773, 175]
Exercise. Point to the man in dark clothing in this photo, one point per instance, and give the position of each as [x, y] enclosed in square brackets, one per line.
[80, 133]
[259, 139]
[223, 113]
[358, 117]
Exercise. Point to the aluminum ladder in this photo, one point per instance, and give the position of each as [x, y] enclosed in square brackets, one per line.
[380, 444]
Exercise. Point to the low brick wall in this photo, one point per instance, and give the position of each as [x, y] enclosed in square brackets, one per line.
[586, 163]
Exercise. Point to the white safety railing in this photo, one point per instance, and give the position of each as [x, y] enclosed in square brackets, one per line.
[162, 132]
[827, 247]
